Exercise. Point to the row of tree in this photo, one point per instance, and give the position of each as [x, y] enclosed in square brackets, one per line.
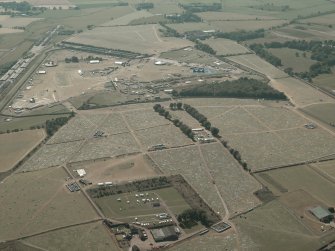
[204, 47]
[261, 51]
[202, 119]
[17, 6]
[240, 88]
[201, 7]
[144, 6]
[183, 127]
[72, 59]
[241, 35]
[236, 154]
[184, 18]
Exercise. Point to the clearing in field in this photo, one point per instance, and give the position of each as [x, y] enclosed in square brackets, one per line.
[119, 169]
[143, 39]
[43, 203]
[92, 236]
[306, 178]
[226, 47]
[17, 145]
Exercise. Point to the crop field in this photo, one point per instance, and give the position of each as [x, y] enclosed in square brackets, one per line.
[235, 185]
[305, 177]
[256, 63]
[289, 59]
[128, 18]
[227, 26]
[125, 211]
[43, 203]
[226, 47]
[113, 124]
[107, 147]
[10, 22]
[168, 135]
[209, 241]
[299, 93]
[93, 236]
[226, 16]
[193, 56]
[144, 118]
[189, 164]
[17, 145]
[272, 226]
[118, 170]
[322, 20]
[140, 38]
[51, 155]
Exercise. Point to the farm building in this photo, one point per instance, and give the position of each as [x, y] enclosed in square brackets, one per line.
[81, 172]
[322, 214]
[94, 61]
[41, 72]
[164, 234]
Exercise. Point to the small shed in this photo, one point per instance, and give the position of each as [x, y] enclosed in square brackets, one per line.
[322, 214]
[164, 234]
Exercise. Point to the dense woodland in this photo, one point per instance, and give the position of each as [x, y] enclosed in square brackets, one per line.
[17, 6]
[190, 217]
[201, 7]
[184, 18]
[144, 6]
[241, 88]
[261, 51]
[53, 125]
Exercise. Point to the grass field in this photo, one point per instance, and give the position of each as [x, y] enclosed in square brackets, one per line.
[89, 236]
[125, 211]
[300, 177]
[326, 81]
[300, 93]
[193, 56]
[210, 241]
[326, 167]
[289, 59]
[256, 63]
[226, 47]
[43, 203]
[140, 38]
[17, 145]
[226, 16]
[144, 118]
[128, 18]
[272, 226]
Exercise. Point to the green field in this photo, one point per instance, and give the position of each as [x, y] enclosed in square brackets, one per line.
[226, 47]
[300, 177]
[125, 211]
[290, 59]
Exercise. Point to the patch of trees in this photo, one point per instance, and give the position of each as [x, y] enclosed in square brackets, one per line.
[271, 7]
[53, 125]
[184, 18]
[201, 7]
[261, 51]
[241, 35]
[204, 47]
[72, 59]
[322, 51]
[5, 67]
[144, 6]
[17, 6]
[183, 127]
[241, 88]
[190, 217]
[90, 57]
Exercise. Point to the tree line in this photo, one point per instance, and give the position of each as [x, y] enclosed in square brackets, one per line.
[201, 7]
[202, 119]
[52, 126]
[261, 51]
[185, 17]
[241, 88]
[241, 35]
[183, 127]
